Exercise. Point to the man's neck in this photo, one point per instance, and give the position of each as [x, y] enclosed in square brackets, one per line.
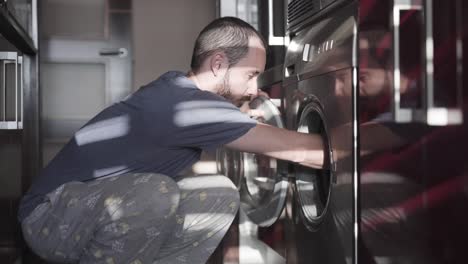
[200, 83]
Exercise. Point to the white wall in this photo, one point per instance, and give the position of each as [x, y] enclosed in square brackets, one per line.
[164, 32]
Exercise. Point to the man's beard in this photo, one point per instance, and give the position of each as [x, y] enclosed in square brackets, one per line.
[224, 90]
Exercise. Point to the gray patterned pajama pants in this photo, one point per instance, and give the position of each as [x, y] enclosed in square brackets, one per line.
[133, 218]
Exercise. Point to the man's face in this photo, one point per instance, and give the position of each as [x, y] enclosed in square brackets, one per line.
[240, 81]
[374, 78]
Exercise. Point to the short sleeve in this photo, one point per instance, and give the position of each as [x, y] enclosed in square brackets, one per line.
[207, 123]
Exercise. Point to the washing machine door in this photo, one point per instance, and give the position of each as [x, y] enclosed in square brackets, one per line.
[228, 164]
[323, 199]
[313, 186]
[263, 186]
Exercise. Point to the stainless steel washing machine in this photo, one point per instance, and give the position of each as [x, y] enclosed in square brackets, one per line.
[319, 82]
[383, 82]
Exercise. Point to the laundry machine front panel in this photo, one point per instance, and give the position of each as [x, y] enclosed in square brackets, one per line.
[320, 70]
[323, 199]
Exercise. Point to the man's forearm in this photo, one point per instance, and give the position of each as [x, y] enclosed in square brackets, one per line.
[306, 149]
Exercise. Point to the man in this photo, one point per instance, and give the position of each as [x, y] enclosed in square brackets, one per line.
[112, 194]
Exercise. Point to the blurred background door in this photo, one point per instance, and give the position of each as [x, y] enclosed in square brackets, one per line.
[86, 64]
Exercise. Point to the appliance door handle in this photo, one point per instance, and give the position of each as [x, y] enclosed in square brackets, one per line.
[20, 90]
[272, 39]
[442, 116]
[3, 91]
[120, 52]
[400, 115]
[9, 58]
[428, 113]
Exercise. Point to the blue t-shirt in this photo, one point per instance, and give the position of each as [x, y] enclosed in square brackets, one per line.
[162, 128]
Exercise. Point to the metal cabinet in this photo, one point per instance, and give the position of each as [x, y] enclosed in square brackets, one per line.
[19, 118]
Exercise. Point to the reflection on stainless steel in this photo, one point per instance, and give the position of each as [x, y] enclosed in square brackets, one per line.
[263, 189]
[413, 180]
[372, 219]
[228, 164]
[399, 114]
[259, 175]
[253, 250]
[220, 166]
[397, 68]
[319, 98]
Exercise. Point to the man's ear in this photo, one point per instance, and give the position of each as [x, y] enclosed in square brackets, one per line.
[218, 64]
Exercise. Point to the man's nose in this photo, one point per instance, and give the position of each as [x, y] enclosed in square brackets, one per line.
[339, 87]
[252, 91]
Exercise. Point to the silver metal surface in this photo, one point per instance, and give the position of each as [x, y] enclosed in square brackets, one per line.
[21, 93]
[400, 115]
[270, 76]
[228, 164]
[441, 116]
[428, 113]
[319, 68]
[263, 187]
[314, 186]
[14, 120]
[272, 39]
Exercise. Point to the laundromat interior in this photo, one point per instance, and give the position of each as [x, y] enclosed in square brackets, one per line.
[381, 81]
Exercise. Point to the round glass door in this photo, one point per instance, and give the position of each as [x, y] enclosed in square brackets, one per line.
[263, 187]
[313, 186]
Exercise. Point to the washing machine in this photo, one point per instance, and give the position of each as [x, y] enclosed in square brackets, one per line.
[257, 236]
[319, 83]
[382, 81]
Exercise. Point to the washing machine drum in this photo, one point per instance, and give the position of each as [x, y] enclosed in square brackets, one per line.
[263, 185]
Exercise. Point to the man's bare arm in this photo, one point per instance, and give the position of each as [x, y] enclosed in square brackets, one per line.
[279, 143]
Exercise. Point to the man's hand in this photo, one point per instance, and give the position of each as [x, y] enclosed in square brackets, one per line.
[261, 93]
[279, 143]
[256, 113]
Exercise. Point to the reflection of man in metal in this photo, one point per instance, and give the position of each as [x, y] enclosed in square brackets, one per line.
[112, 194]
[376, 87]
[376, 73]
[377, 131]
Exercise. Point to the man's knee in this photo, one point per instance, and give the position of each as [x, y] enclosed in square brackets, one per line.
[155, 183]
[154, 193]
[210, 190]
